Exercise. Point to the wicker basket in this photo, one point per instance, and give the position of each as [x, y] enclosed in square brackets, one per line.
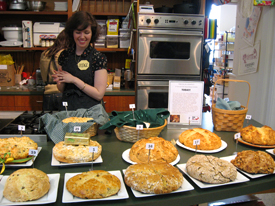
[92, 130]
[130, 134]
[229, 120]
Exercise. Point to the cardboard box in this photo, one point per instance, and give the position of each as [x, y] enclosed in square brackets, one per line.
[7, 75]
[27, 34]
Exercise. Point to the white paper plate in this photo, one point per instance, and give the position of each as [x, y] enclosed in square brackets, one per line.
[270, 151]
[126, 158]
[224, 145]
[60, 164]
[186, 186]
[50, 197]
[252, 176]
[25, 164]
[69, 198]
[240, 179]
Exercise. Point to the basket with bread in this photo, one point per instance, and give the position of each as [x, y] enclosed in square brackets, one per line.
[229, 120]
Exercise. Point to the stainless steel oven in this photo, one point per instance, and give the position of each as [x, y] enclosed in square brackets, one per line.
[170, 44]
[169, 48]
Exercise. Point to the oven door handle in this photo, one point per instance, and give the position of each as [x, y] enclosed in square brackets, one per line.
[183, 33]
[152, 85]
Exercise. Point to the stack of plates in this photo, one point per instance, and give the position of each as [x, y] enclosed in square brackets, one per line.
[60, 6]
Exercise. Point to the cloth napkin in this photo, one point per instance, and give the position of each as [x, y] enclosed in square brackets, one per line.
[155, 117]
[230, 105]
[56, 129]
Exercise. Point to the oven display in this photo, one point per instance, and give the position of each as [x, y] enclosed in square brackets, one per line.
[169, 50]
[158, 100]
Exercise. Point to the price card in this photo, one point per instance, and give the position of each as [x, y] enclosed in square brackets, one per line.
[77, 128]
[21, 127]
[65, 104]
[132, 106]
[249, 117]
[139, 127]
[237, 136]
[33, 152]
[93, 149]
[150, 145]
[196, 142]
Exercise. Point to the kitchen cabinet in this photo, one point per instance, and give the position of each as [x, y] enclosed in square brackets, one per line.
[118, 103]
[21, 102]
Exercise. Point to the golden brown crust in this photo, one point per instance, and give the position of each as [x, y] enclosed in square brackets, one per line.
[254, 162]
[211, 169]
[77, 119]
[76, 153]
[164, 151]
[17, 146]
[153, 177]
[258, 135]
[93, 184]
[208, 140]
[26, 184]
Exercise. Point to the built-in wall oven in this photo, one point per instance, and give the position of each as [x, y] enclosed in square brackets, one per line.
[169, 48]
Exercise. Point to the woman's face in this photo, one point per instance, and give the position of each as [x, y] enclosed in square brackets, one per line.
[82, 38]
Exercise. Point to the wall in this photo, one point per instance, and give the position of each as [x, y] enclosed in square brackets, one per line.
[227, 18]
[261, 105]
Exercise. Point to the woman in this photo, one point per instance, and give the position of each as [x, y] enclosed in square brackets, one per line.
[49, 64]
[82, 76]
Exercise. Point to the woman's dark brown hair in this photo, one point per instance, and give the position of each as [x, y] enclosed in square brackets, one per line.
[80, 21]
[61, 42]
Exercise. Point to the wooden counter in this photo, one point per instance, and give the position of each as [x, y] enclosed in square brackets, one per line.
[22, 98]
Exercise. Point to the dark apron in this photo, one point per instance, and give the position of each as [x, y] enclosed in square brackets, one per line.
[76, 98]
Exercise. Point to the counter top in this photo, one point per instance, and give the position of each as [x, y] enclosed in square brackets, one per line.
[32, 90]
[112, 150]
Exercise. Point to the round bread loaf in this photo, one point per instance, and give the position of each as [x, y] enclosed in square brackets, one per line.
[93, 184]
[208, 140]
[77, 119]
[254, 162]
[76, 153]
[258, 135]
[17, 146]
[26, 184]
[211, 169]
[164, 151]
[153, 177]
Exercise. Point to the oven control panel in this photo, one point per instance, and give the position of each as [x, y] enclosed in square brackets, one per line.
[171, 20]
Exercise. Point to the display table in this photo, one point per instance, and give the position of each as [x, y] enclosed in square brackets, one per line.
[112, 160]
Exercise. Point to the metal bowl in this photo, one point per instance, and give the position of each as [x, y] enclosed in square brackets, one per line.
[36, 5]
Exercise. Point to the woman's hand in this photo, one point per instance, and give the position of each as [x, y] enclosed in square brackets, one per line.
[61, 76]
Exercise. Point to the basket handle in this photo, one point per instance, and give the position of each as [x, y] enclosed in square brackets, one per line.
[232, 80]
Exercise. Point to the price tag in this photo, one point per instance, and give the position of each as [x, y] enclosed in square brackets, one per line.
[77, 128]
[249, 117]
[139, 127]
[150, 145]
[33, 152]
[132, 106]
[93, 149]
[196, 142]
[65, 104]
[237, 135]
[21, 127]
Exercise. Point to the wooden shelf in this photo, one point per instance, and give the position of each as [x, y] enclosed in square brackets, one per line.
[34, 13]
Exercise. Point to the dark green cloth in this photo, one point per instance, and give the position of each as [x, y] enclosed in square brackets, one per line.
[156, 118]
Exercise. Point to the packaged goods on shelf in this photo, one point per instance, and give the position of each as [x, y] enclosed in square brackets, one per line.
[112, 41]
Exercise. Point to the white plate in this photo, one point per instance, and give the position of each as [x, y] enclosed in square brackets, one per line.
[252, 176]
[270, 151]
[69, 198]
[126, 158]
[50, 197]
[186, 186]
[60, 164]
[25, 164]
[224, 145]
[240, 178]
